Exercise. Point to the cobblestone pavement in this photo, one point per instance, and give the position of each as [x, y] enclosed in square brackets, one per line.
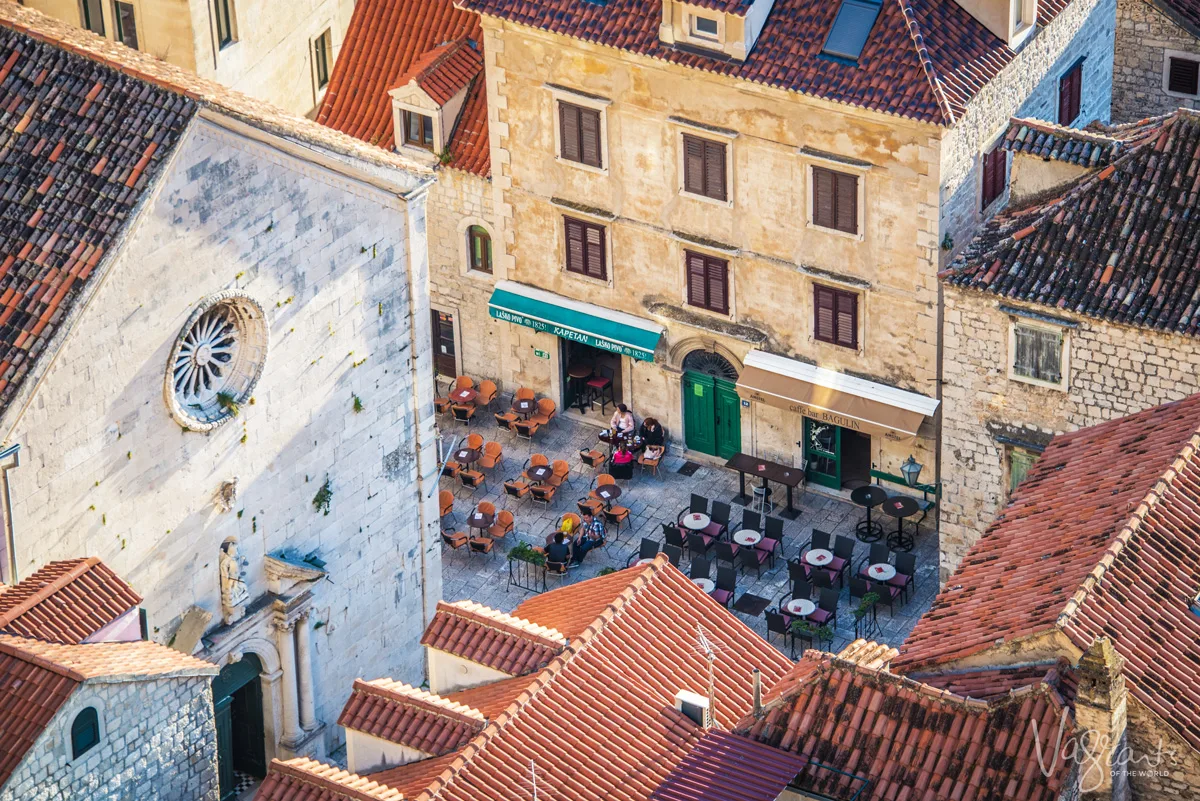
[653, 501]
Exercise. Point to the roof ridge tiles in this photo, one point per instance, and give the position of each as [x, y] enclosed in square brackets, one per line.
[407, 694]
[10, 647]
[42, 593]
[336, 780]
[927, 65]
[485, 615]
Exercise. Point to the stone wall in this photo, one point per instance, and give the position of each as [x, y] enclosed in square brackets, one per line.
[157, 740]
[1144, 35]
[1161, 764]
[1026, 87]
[1114, 371]
[107, 471]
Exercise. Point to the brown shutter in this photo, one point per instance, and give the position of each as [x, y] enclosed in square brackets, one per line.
[718, 285]
[693, 164]
[1069, 90]
[1184, 76]
[568, 117]
[589, 136]
[847, 319]
[697, 287]
[846, 203]
[714, 170]
[823, 314]
[822, 197]
[575, 250]
[595, 251]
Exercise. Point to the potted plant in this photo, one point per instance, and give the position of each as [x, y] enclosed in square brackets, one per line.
[524, 552]
[865, 605]
[811, 631]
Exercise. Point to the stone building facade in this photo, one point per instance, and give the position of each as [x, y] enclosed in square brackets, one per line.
[157, 740]
[1150, 33]
[282, 53]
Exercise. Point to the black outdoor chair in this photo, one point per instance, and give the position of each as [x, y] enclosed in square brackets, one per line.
[719, 527]
[821, 579]
[647, 550]
[726, 586]
[799, 589]
[820, 540]
[698, 544]
[751, 520]
[887, 592]
[797, 570]
[727, 552]
[826, 611]
[774, 536]
[698, 505]
[843, 555]
[672, 535]
[700, 568]
[674, 554]
[778, 624]
[906, 573]
[878, 553]
[752, 557]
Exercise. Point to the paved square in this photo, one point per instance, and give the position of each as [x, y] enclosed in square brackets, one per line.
[652, 501]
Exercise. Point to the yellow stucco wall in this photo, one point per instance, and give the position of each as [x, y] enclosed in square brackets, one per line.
[775, 254]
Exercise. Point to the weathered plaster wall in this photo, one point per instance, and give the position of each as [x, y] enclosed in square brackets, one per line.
[1027, 87]
[108, 472]
[1144, 34]
[158, 740]
[1161, 764]
[1113, 371]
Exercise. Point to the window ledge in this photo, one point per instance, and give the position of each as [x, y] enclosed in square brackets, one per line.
[712, 201]
[587, 279]
[580, 208]
[1037, 382]
[579, 165]
[728, 133]
[836, 232]
[708, 322]
[834, 158]
[860, 349]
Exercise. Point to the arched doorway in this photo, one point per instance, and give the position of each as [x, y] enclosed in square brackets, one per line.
[712, 410]
[241, 740]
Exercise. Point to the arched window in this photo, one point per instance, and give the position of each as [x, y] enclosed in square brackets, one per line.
[85, 732]
[479, 249]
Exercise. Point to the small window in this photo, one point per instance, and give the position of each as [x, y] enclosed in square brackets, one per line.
[418, 130]
[1019, 462]
[851, 28]
[85, 732]
[479, 249]
[223, 13]
[1070, 90]
[579, 134]
[322, 46]
[835, 200]
[93, 16]
[835, 316]
[126, 24]
[995, 175]
[1037, 353]
[704, 167]
[585, 248]
[1183, 76]
[704, 27]
[707, 282]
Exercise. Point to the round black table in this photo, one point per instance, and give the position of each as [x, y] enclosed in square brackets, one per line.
[900, 507]
[480, 520]
[579, 373]
[608, 492]
[868, 496]
[467, 455]
[524, 406]
[541, 472]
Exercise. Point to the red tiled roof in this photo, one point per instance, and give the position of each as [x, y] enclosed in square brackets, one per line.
[889, 737]
[66, 602]
[1119, 244]
[1094, 146]
[572, 609]
[491, 699]
[408, 716]
[82, 143]
[413, 778]
[924, 59]
[30, 695]
[725, 767]
[1099, 540]
[507, 643]
[384, 42]
[303, 779]
[114, 660]
[1184, 12]
[989, 683]
[445, 70]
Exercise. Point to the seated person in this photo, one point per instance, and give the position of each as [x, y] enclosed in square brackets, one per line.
[590, 535]
[653, 436]
[622, 455]
[558, 551]
[622, 422]
[567, 526]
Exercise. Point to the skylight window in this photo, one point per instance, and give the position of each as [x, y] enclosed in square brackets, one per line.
[851, 28]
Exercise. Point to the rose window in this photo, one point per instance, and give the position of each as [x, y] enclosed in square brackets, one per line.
[216, 361]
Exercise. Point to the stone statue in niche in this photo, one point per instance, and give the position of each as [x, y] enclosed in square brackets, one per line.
[227, 495]
[233, 586]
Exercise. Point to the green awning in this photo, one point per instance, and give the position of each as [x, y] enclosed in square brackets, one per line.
[572, 319]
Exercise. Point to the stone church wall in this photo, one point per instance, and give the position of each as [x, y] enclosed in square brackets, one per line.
[1144, 36]
[107, 471]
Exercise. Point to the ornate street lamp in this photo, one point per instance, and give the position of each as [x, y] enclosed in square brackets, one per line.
[911, 470]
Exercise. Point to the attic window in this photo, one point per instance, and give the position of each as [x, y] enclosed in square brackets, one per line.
[704, 27]
[851, 28]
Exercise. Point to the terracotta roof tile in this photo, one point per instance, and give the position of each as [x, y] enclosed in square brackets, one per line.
[30, 695]
[492, 699]
[573, 608]
[1099, 540]
[924, 59]
[413, 778]
[725, 767]
[445, 70]
[386, 40]
[405, 715]
[871, 732]
[66, 602]
[1120, 244]
[304, 779]
[112, 660]
[989, 683]
[507, 643]
[1092, 147]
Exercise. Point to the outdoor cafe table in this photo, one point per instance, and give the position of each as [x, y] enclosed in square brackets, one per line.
[900, 507]
[747, 537]
[799, 607]
[467, 455]
[705, 584]
[579, 373]
[790, 477]
[868, 496]
[608, 493]
[541, 472]
[480, 520]
[464, 395]
[696, 521]
[525, 406]
[818, 557]
[881, 572]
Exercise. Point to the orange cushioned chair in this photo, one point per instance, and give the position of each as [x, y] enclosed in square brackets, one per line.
[493, 454]
[446, 502]
[503, 525]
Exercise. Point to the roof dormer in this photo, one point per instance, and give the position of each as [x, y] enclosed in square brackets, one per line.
[722, 28]
[1011, 20]
[429, 97]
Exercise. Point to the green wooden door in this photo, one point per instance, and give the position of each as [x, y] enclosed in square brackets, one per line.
[729, 418]
[699, 412]
[823, 450]
[224, 721]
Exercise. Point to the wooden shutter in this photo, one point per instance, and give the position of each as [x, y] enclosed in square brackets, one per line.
[697, 280]
[589, 136]
[994, 177]
[595, 251]
[714, 170]
[846, 203]
[846, 304]
[568, 132]
[1070, 88]
[823, 197]
[823, 314]
[1184, 76]
[693, 164]
[718, 285]
[576, 259]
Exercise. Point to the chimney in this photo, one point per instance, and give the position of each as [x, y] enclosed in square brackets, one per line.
[695, 706]
[1100, 717]
[757, 677]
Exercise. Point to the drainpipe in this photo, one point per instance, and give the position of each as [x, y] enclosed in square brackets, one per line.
[10, 458]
